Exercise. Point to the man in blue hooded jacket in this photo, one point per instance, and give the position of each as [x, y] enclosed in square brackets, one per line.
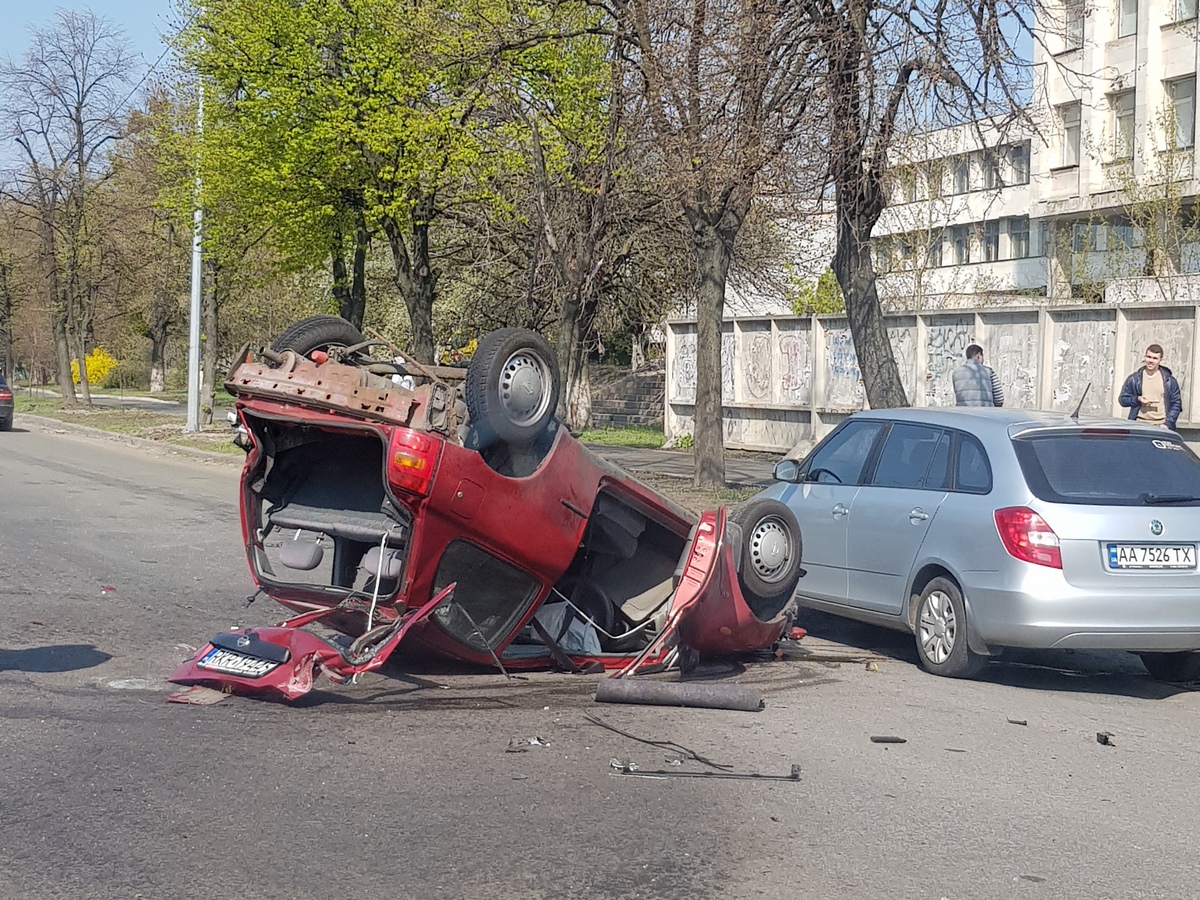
[1152, 393]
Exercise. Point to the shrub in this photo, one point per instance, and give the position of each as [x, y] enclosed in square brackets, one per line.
[99, 364]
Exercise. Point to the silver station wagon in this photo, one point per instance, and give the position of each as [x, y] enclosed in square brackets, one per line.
[979, 529]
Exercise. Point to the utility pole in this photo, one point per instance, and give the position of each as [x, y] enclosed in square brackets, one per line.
[193, 389]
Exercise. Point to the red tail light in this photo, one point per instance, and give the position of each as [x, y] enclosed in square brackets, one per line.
[5, 394]
[412, 460]
[1027, 537]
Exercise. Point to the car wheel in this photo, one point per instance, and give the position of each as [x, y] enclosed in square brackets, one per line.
[1183, 666]
[771, 554]
[6, 424]
[317, 333]
[941, 632]
[512, 387]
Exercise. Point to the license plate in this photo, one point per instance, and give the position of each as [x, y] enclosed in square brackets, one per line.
[1152, 556]
[220, 660]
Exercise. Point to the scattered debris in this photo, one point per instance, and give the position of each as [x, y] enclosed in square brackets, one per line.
[198, 695]
[887, 739]
[954, 750]
[629, 769]
[1105, 738]
[1017, 722]
[872, 666]
[677, 693]
[520, 744]
[796, 633]
[665, 745]
[107, 589]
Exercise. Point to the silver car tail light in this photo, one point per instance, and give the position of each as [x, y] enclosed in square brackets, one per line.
[1027, 537]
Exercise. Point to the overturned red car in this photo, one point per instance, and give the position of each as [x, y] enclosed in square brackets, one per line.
[418, 509]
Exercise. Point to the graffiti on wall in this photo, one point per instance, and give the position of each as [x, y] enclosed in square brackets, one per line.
[1083, 361]
[683, 368]
[946, 347]
[795, 361]
[728, 351]
[1012, 352]
[843, 378]
[756, 366]
[904, 349]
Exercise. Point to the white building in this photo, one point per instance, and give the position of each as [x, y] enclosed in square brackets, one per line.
[1104, 192]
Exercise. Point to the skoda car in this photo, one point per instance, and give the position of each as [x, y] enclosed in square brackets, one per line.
[979, 529]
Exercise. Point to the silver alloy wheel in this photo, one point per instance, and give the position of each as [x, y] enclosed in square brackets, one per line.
[937, 627]
[523, 393]
[770, 549]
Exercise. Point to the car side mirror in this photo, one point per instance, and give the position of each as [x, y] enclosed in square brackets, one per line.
[787, 470]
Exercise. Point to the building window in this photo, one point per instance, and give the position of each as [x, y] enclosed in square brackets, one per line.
[1018, 237]
[1085, 238]
[1122, 106]
[1127, 15]
[1182, 97]
[1018, 160]
[1120, 236]
[1073, 25]
[991, 241]
[962, 173]
[1184, 10]
[883, 255]
[991, 170]
[933, 179]
[934, 256]
[960, 242]
[1069, 122]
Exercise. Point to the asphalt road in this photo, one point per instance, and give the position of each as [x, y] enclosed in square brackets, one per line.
[115, 561]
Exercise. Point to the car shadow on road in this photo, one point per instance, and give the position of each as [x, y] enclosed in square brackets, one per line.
[58, 658]
[1077, 671]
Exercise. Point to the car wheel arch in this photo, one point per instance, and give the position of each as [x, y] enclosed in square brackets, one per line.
[924, 574]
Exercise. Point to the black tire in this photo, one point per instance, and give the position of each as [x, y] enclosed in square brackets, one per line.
[317, 333]
[940, 627]
[1181, 666]
[512, 387]
[6, 424]
[772, 548]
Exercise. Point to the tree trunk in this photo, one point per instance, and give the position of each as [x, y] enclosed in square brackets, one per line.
[62, 355]
[708, 439]
[856, 275]
[350, 288]
[85, 387]
[158, 353]
[7, 363]
[567, 344]
[414, 279]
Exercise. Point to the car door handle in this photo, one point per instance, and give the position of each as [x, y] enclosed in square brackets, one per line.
[840, 510]
[917, 515]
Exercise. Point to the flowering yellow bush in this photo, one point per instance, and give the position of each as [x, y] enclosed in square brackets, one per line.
[454, 357]
[99, 363]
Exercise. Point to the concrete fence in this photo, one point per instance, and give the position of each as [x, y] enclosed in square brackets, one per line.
[788, 380]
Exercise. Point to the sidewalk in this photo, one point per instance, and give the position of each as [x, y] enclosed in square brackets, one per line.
[739, 470]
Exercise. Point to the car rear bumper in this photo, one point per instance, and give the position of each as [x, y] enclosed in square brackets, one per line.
[1040, 610]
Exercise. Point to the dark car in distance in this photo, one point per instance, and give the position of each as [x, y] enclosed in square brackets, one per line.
[6, 405]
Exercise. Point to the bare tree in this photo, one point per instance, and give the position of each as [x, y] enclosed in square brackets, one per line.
[723, 88]
[886, 70]
[63, 105]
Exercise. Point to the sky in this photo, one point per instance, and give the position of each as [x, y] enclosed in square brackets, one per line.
[142, 21]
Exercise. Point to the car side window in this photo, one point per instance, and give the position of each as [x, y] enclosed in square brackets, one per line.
[841, 459]
[907, 456]
[973, 474]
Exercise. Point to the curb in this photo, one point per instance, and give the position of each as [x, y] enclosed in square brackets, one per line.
[128, 439]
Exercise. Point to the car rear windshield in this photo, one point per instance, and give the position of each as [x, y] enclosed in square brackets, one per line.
[1109, 467]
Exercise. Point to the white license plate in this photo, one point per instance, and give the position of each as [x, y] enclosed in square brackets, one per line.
[231, 663]
[1152, 556]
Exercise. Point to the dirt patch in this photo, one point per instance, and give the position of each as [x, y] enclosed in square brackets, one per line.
[697, 499]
